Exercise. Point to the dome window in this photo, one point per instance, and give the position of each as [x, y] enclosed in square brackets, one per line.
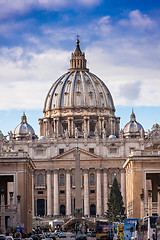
[69, 82]
[88, 81]
[90, 94]
[78, 81]
[101, 94]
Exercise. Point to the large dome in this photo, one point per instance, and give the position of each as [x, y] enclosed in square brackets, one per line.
[78, 88]
[79, 100]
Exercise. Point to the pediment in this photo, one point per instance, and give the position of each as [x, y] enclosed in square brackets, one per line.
[84, 155]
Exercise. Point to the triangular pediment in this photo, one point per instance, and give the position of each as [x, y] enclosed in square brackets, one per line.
[84, 155]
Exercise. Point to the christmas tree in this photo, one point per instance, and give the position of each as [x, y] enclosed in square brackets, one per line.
[116, 209]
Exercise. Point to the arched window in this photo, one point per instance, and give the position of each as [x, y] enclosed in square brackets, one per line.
[62, 179]
[62, 210]
[113, 175]
[92, 179]
[92, 210]
[40, 179]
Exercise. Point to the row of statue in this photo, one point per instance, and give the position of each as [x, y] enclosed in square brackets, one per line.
[85, 133]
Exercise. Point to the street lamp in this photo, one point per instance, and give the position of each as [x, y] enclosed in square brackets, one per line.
[18, 198]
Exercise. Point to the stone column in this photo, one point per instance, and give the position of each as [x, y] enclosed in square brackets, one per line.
[49, 193]
[72, 128]
[33, 205]
[88, 126]
[123, 186]
[112, 123]
[56, 193]
[99, 193]
[18, 209]
[40, 127]
[54, 129]
[68, 193]
[69, 126]
[158, 198]
[105, 190]
[85, 124]
[86, 193]
[2, 212]
[11, 209]
[149, 202]
[142, 204]
[57, 126]
[100, 125]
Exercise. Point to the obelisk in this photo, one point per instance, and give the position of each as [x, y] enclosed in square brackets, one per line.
[78, 198]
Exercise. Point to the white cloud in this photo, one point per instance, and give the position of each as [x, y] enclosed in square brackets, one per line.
[10, 7]
[138, 20]
[25, 79]
[130, 84]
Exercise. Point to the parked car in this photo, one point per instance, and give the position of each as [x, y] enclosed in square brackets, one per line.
[81, 237]
[93, 234]
[52, 236]
[73, 234]
[62, 235]
[56, 232]
[9, 238]
[2, 237]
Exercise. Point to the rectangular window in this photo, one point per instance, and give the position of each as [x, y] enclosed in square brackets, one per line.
[91, 150]
[40, 192]
[61, 150]
[39, 152]
[113, 150]
[62, 192]
[131, 149]
[92, 191]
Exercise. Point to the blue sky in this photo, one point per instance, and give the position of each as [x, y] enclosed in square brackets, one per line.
[121, 40]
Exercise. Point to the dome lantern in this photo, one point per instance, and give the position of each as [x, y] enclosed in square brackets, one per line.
[78, 61]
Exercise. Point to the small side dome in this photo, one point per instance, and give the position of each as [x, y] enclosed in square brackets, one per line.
[112, 136]
[133, 129]
[24, 130]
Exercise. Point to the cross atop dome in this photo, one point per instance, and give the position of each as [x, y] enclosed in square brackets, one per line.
[133, 116]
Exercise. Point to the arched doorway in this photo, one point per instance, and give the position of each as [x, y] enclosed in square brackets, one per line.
[40, 207]
[92, 210]
[62, 210]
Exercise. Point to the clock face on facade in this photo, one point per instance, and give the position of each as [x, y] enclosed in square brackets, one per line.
[156, 134]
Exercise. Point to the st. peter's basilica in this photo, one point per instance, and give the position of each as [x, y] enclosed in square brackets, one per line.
[38, 175]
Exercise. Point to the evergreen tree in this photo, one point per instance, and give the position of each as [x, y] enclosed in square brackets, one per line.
[115, 204]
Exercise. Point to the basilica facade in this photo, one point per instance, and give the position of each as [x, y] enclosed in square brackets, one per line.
[79, 113]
